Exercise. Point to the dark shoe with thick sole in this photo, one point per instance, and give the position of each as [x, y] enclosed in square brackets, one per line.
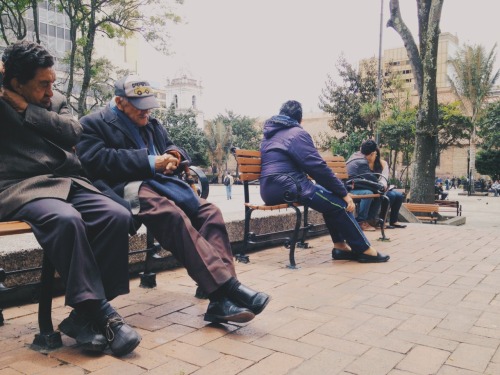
[338, 254]
[224, 311]
[249, 298]
[85, 331]
[122, 338]
[379, 258]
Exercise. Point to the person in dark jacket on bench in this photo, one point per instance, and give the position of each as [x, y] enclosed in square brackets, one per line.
[287, 150]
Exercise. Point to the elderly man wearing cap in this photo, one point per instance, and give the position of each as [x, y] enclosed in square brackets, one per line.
[129, 155]
[288, 151]
[83, 233]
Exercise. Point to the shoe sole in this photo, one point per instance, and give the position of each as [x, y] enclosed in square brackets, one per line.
[128, 349]
[242, 317]
[91, 347]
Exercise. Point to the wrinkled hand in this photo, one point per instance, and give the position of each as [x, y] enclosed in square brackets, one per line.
[166, 163]
[15, 100]
[350, 203]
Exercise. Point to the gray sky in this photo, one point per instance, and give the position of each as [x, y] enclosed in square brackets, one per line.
[252, 55]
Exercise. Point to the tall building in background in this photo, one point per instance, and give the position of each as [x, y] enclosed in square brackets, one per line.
[185, 93]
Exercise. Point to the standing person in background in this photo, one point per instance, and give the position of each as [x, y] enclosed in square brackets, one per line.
[83, 233]
[228, 183]
[288, 158]
[395, 197]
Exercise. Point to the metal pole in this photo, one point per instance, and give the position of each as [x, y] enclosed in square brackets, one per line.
[379, 83]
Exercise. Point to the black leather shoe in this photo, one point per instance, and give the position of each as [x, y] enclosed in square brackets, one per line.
[379, 258]
[85, 331]
[338, 254]
[122, 338]
[224, 310]
[249, 298]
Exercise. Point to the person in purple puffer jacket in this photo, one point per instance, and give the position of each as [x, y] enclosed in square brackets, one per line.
[288, 158]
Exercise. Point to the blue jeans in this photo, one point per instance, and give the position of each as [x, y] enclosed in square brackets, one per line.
[228, 191]
[368, 208]
[396, 199]
[341, 224]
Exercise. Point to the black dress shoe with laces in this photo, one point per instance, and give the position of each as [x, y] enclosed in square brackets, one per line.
[224, 310]
[85, 331]
[249, 298]
[122, 338]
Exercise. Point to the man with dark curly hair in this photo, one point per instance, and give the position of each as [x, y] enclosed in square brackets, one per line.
[83, 232]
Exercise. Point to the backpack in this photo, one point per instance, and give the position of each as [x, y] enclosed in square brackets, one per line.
[226, 181]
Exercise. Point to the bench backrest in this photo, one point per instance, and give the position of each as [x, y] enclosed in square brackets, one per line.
[249, 164]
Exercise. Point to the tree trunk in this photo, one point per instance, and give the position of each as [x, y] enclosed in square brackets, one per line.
[423, 61]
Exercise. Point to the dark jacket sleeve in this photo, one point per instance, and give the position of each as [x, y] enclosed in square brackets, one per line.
[57, 124]
[303, 152]
[106, 153]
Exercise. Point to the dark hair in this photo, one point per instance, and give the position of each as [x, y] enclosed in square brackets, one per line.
[292, 109]
[22, 59]
[377, 164]
[367, 147]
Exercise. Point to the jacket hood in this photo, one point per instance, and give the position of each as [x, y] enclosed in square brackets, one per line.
[356, 156]
[277, 123]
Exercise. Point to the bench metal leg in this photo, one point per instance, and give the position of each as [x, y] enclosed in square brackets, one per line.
[295, 236]
[148, 278]
[241, 256]
[384, 210]
[47, 339]
[302, 243]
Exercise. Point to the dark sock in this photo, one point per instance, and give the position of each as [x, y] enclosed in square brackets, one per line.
[96, 309]
[224, 290]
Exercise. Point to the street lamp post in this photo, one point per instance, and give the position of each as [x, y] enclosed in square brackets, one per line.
[379, 82]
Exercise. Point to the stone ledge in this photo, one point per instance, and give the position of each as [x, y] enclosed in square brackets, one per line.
[22, 251]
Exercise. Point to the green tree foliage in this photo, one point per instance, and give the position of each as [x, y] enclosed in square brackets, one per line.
[344, 100]
[219, 140]
[453, 125]
[488, 163]
[118, 19]
[473, 78]
[489, 127]
[244, 133]
[184, 132]
[346, 146]
[13, 22]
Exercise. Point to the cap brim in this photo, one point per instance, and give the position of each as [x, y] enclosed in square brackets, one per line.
[147, 102]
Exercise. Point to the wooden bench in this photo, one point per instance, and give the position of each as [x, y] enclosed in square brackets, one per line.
[424, 212]
[48, 339]
[452, 207]
[249, 167]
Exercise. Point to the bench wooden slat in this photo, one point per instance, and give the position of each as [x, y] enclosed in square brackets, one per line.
[254, 153]
[250, 168]
[249, 176]
[14, 227]
[248, 161]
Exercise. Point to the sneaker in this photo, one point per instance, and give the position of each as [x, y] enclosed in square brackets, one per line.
[366, 227]
[122, 338]
[85, 331]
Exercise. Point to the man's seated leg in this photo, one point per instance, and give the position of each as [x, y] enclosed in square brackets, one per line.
[84, 246]
[202, 245]
[364, 210]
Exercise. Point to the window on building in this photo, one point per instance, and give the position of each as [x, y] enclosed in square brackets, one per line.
[176, 102]
[193, 101]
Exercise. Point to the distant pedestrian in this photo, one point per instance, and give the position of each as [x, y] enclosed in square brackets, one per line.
[228, 183]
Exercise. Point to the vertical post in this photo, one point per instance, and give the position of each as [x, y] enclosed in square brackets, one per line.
[379, 83]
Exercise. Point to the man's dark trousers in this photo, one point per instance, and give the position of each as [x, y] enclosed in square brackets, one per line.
[200, 243]
[86, 239]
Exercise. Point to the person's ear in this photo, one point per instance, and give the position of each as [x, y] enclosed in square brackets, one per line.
[118, 102]
[16, 85]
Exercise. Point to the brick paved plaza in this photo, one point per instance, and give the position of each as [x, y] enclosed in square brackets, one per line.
[434, 308]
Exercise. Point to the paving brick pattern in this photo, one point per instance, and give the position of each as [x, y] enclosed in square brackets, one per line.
[434, 308]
